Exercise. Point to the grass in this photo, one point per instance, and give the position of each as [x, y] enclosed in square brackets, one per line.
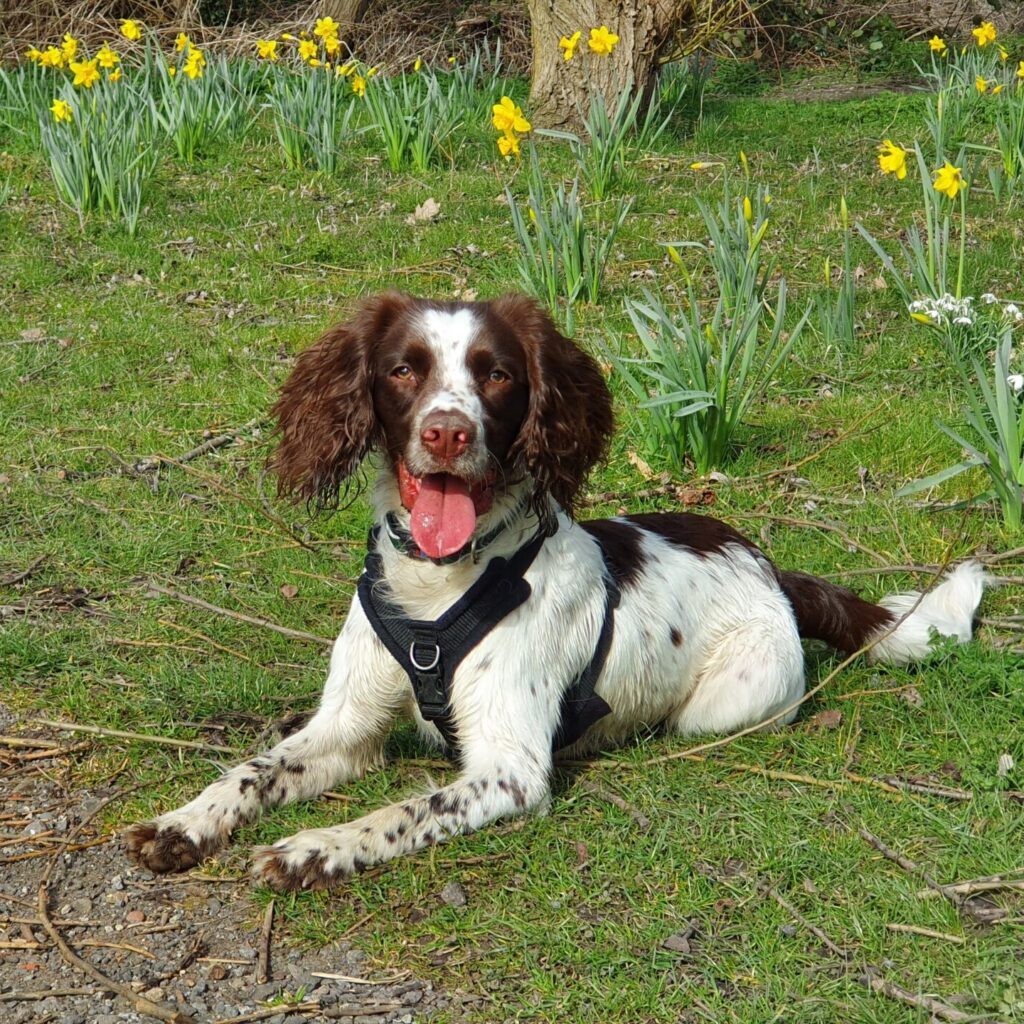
[190, 326]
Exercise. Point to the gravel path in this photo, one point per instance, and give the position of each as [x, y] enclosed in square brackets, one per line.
[194, 943]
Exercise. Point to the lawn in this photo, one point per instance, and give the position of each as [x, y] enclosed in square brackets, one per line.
[117, 349]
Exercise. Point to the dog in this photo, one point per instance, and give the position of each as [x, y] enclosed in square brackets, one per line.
[530, 632]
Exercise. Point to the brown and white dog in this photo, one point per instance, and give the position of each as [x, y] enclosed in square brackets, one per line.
[486, 421]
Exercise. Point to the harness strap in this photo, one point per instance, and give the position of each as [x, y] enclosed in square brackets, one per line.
[429, 652]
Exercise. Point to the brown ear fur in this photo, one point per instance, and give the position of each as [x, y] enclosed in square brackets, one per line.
[325, 413]
[569, 420]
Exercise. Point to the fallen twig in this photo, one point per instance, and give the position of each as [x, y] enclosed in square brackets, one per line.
[18, 997]
[138, 1002]
[943, 792]
[142, 737]
[812, 928]
[198, 602]
[151, 462]
[928, 933]
[937, 1008]
[270, 1011]
[263, 963]
[974, 888]
[984, 914]
[643, 822]
[17, 577]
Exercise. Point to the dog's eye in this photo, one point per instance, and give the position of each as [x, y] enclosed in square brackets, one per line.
[403, 372]
[498, 377]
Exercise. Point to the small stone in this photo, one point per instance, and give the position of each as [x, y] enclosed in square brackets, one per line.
[154, 994]
[217, 972]
[677, 943]
[117, 883]
[412, 998]
[135, 917]
[266, 990]
[788, 930]
[213, 906]
[454, 895]
[82, 905]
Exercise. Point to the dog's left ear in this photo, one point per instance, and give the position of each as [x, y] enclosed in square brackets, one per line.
[569, 418]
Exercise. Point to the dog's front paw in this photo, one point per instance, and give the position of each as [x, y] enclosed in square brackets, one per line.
[165, 848]
[308, 860]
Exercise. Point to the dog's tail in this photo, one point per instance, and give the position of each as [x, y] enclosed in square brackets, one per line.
[902, 622]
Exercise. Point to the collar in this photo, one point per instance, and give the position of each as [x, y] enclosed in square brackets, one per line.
[402, 539]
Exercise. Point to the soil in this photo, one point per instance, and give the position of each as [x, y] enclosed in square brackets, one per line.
[196, 938]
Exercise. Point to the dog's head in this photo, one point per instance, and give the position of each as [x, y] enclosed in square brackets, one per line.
[462, 398]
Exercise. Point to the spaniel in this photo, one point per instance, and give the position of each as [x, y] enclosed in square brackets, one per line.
[504, 628]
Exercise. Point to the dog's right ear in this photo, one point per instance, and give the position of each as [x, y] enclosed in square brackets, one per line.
[325, 414]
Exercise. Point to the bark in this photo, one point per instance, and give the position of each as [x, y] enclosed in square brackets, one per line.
[559, 88]
[346, 13]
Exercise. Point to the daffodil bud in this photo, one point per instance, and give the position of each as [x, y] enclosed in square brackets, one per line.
[844, 213]
[673, 255]
[828, 271]
[748, 210]
[743, 163]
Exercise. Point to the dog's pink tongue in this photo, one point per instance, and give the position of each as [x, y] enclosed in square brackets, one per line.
[443, 515]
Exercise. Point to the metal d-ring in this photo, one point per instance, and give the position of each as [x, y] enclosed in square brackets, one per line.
[417, 665]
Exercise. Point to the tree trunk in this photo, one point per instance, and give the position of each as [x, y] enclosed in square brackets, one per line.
[559, 88]
[347, 13]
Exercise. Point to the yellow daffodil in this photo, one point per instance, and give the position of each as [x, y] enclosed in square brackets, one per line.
[452, 59]
[52, 58]
[948, 180]
[86, 72]
[892, 159]
[314, 62]
[287, 37]
[1004, 53]
[568, 44]
[267, 48]
[182, 42]
[171, 70]
[34, 54]
[114, 76]
[346, 69]
[507, 117]
[417, 64]
[107, 57]
[326, 28]
[938, 45]
[703, 165]
[602, 41]
[307, 49]
[131, 29]
[748, 210]
[922, 318]
[61, 111]
[359, 85]
[984, 34]
[194, 64]
[508, 145]
[1020, 69]
[69, 47]
[980, 84]
[997, 89]
[332, 45]
[372, 71]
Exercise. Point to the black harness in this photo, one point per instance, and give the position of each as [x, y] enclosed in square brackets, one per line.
[430, 651]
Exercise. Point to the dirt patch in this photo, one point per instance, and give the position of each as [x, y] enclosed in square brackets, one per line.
[810, 91]
[189, 942]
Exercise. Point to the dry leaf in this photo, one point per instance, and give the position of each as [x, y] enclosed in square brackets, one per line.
[640, 465]
[912, 696]
[33, 334]
[288, 591]
[428, 210]
[830, 719]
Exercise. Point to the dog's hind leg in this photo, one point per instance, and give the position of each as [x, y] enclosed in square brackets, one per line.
[363, 692]
[751, 672]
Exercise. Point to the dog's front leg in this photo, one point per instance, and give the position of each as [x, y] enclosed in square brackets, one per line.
[364, 691]
[491, 788]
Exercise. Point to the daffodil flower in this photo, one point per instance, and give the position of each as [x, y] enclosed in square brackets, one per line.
[997, 89]
[569, 43]
[61, 111]
[980, 84]
[171, 70]
[949, 180]
[34, 54]
[507, 117]
[52, 58]
[1004, 53]
[194, 64]
[417, 64]
[86, 72]
[332, 45]
[1020, 70]
[114, 76]
[508, 145]
[602, 41]
[326, 28]
[131, 29]
[984, 34]
[182, 42]
[359, 85]
[892, 159]
[69, 47]
[267, 48]
[938, 45]
[307, 49]
[107, 57]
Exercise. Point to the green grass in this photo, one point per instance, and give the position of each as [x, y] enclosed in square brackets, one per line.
[190, 326]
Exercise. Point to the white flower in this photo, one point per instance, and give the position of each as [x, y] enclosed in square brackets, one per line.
[988, 298]
[917, 306]
[966, 321]
[1016, 381]
[1010, 310]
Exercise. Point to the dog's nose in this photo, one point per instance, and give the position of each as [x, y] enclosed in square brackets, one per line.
[446, 435]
